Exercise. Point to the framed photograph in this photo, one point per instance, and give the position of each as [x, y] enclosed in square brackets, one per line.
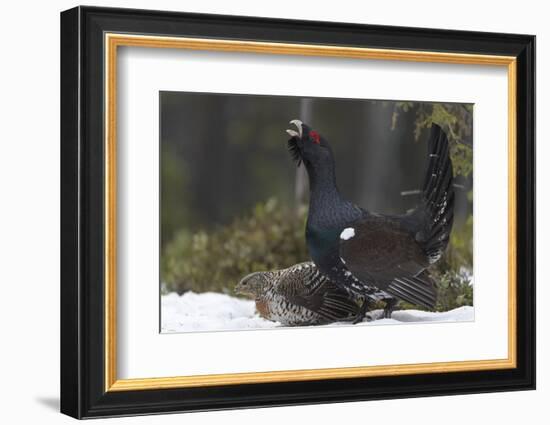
[261, 212]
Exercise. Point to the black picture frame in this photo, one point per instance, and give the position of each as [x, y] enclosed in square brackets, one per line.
[83, 392]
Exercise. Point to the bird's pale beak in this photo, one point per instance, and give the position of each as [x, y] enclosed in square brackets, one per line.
[294, 133]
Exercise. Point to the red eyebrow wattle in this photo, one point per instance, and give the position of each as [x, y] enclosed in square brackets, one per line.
[315, 136]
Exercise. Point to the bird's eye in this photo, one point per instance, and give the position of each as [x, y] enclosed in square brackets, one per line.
[315, 138]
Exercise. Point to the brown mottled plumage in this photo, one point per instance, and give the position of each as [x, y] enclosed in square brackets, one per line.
[300, 296]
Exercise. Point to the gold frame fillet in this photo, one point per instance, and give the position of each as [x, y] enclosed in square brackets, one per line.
[113, 41]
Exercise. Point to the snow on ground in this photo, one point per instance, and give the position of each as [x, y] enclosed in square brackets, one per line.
[212, 311]
[209, 311]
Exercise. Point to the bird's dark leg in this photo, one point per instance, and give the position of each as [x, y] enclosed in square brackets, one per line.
[390, 305]
[362, 311]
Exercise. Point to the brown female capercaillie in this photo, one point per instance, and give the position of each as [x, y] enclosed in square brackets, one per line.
[300, 296]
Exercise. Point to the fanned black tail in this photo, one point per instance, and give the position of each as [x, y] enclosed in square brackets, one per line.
[437, 197]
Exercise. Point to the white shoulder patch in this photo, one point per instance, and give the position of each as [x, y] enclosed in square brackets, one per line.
[347, 233]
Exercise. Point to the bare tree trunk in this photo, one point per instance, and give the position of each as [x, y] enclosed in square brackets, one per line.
[381, 149]
[300, 181]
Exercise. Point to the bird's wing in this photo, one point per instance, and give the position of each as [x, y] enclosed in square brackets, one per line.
[306, 287]
[378, 249]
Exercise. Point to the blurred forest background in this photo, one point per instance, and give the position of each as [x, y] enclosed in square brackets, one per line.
[233, 201]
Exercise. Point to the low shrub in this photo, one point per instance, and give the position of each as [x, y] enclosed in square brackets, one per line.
[272, 237]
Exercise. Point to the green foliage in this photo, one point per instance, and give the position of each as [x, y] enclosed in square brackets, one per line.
[453, 272]
[270, 237]
[459, 252]
[454, 118]
[454, 290]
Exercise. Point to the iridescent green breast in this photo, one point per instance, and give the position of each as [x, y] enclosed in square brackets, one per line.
[322, 242]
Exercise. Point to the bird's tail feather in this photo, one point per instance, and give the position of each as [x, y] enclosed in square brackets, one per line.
[437, 196]
[338, 305]
[420, 290]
